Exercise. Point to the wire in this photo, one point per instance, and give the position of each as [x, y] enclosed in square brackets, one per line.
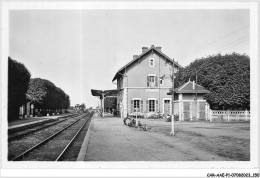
[225, 36]
[236, 44]
[235, 41]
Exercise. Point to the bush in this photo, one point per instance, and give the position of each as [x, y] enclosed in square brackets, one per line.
[227, 77]
[18, 81]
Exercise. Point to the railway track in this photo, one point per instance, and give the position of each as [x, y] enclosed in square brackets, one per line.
[55, 147]
[18, 133]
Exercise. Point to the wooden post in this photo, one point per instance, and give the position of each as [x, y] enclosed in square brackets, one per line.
[246, 115]
[191, 111]
[196, 99]
[207, 111]
[210, 115]
[102, 103]
[121, 110]
[228, 115]
[198, 110]
[180, 115]
[22, 110]
[136, 121]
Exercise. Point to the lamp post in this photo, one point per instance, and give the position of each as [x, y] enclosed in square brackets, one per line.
[172, 132]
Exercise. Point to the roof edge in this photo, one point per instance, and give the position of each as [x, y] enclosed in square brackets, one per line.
[141, 55]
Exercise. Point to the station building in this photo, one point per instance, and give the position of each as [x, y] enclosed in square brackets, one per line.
[144, 82]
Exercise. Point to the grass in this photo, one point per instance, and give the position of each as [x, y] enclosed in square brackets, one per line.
[231, 141]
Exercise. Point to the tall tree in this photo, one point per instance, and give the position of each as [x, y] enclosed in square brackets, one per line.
[18, 81]
[227, 77]
[47, 95]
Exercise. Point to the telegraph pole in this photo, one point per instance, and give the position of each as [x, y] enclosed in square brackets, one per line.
[196, 97]
[103, 95]
[172, 132]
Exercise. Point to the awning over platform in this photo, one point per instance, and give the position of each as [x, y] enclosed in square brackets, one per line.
[105, 93]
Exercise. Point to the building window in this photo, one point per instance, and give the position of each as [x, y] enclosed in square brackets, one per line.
[151, 62]
[167, 101]
[151, 105]
[151, 80]
[137, 105]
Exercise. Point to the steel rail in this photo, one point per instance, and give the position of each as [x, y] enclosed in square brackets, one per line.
[34, 129]
[22, 155]
[18, 129]
[59, 158]
[29, 126]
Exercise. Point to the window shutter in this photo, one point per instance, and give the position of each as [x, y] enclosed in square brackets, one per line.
[147, 106]
[156, 81]
[147, 81]
[141, 106]
[157, 106]
[132, 106]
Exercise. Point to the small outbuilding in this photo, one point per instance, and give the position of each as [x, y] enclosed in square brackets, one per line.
[189, 102]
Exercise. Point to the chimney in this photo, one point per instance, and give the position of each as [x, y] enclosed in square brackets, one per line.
[135, 56]
[144, 49]
[193, 85]
[158, 48]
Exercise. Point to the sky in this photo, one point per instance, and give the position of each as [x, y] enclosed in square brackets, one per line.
[80, 50]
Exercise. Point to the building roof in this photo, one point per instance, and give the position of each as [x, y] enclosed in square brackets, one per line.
[152, 48]
[188, 88]
[106, 93]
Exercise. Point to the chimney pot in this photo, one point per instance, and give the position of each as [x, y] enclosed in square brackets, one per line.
[135, 56]
[144, 49]
[158, 48]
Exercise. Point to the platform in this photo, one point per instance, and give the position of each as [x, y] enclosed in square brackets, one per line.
[31, 120]
[110, 140]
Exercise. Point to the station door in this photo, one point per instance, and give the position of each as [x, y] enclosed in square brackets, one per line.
[186, 111]
[194, 111]
[202, 111]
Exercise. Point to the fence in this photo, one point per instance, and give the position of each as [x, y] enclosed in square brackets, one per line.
[226, 115]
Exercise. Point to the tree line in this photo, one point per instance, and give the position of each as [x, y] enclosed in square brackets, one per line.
[46, 95]
[43, 93]
[80, 106]
[227, 77]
